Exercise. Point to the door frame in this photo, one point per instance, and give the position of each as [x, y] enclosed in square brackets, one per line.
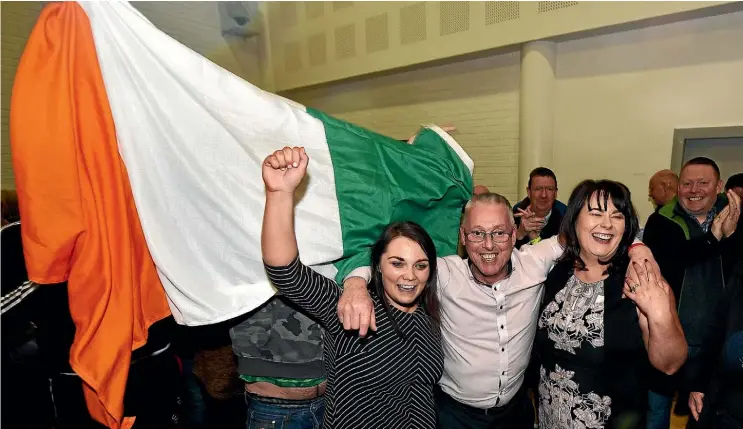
[680, 135]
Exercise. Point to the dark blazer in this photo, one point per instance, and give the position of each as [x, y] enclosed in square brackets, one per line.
[720, 376]
[694, 265]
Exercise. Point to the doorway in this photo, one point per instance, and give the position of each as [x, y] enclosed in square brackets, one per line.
[724, 145]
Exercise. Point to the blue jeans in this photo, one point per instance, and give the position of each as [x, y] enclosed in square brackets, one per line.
[194, 405]
[271, 413]
[659, 410]
[659, 405]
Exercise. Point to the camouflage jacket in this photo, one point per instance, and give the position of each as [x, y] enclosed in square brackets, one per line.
[279, 341]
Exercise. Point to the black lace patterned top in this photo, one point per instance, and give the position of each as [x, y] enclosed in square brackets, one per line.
[593, 362]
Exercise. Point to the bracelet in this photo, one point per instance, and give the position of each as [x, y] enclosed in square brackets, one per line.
[633, 245]
[536, 240]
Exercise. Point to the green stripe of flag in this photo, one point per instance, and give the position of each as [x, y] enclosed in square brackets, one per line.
[381, 180]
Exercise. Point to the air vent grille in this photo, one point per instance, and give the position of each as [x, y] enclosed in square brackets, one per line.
[454, 17]
[501, 11]
[377, 33]
[549, 6]
[345, 42]
[413, 23]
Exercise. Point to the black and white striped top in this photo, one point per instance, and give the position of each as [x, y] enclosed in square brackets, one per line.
[16, 286]
[383, 381]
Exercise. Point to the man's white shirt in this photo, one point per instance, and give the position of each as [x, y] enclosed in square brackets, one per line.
[488, 330]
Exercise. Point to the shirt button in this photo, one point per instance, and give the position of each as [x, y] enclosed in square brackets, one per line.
[501, 326]
[501, 307]
[504, 373]
[503, 349]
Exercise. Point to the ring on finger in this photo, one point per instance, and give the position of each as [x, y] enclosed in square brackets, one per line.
[633, 287]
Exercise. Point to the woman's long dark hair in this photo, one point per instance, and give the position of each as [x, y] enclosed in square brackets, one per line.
[581, 195]
[428, 299]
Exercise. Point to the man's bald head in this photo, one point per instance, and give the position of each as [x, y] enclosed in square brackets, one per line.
[663, 187]
[480, 189]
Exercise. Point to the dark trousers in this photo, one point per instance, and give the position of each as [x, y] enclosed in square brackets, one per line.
[715, 419]
[516, 414]
[26, 402]
[151, 396]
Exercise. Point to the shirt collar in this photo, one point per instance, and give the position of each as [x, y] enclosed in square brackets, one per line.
[510, 268]
[547, 218]
[707, 220]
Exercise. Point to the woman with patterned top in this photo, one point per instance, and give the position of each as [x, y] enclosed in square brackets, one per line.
[387, 380]
[598, 334]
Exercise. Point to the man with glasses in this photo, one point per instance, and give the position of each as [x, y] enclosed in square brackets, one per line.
[489, 306]
[538, 216]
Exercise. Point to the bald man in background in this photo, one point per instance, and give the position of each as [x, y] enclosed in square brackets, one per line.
[663, 187]
[480, 189]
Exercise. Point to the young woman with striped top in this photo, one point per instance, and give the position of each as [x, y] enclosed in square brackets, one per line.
[387, 380]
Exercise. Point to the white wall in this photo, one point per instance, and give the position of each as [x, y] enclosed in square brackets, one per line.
[480, 97]
[620, 96]
[196, 24]
[618, 99]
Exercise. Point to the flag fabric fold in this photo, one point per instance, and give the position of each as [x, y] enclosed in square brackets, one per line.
[80, 224]
[193, 137]
[138, 166]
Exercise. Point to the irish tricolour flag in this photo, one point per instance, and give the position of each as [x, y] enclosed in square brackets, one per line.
[98, 85]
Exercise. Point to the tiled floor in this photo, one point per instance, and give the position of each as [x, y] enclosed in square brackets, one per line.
[678, 422]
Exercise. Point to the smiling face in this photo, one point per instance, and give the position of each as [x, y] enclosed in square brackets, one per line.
[698, 189]
[600, 229]
[405, 271]
[488, 223]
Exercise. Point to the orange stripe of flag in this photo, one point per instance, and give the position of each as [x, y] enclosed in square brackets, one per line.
[79, 219]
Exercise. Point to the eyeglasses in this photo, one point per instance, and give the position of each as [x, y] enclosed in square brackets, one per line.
[497, 236]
